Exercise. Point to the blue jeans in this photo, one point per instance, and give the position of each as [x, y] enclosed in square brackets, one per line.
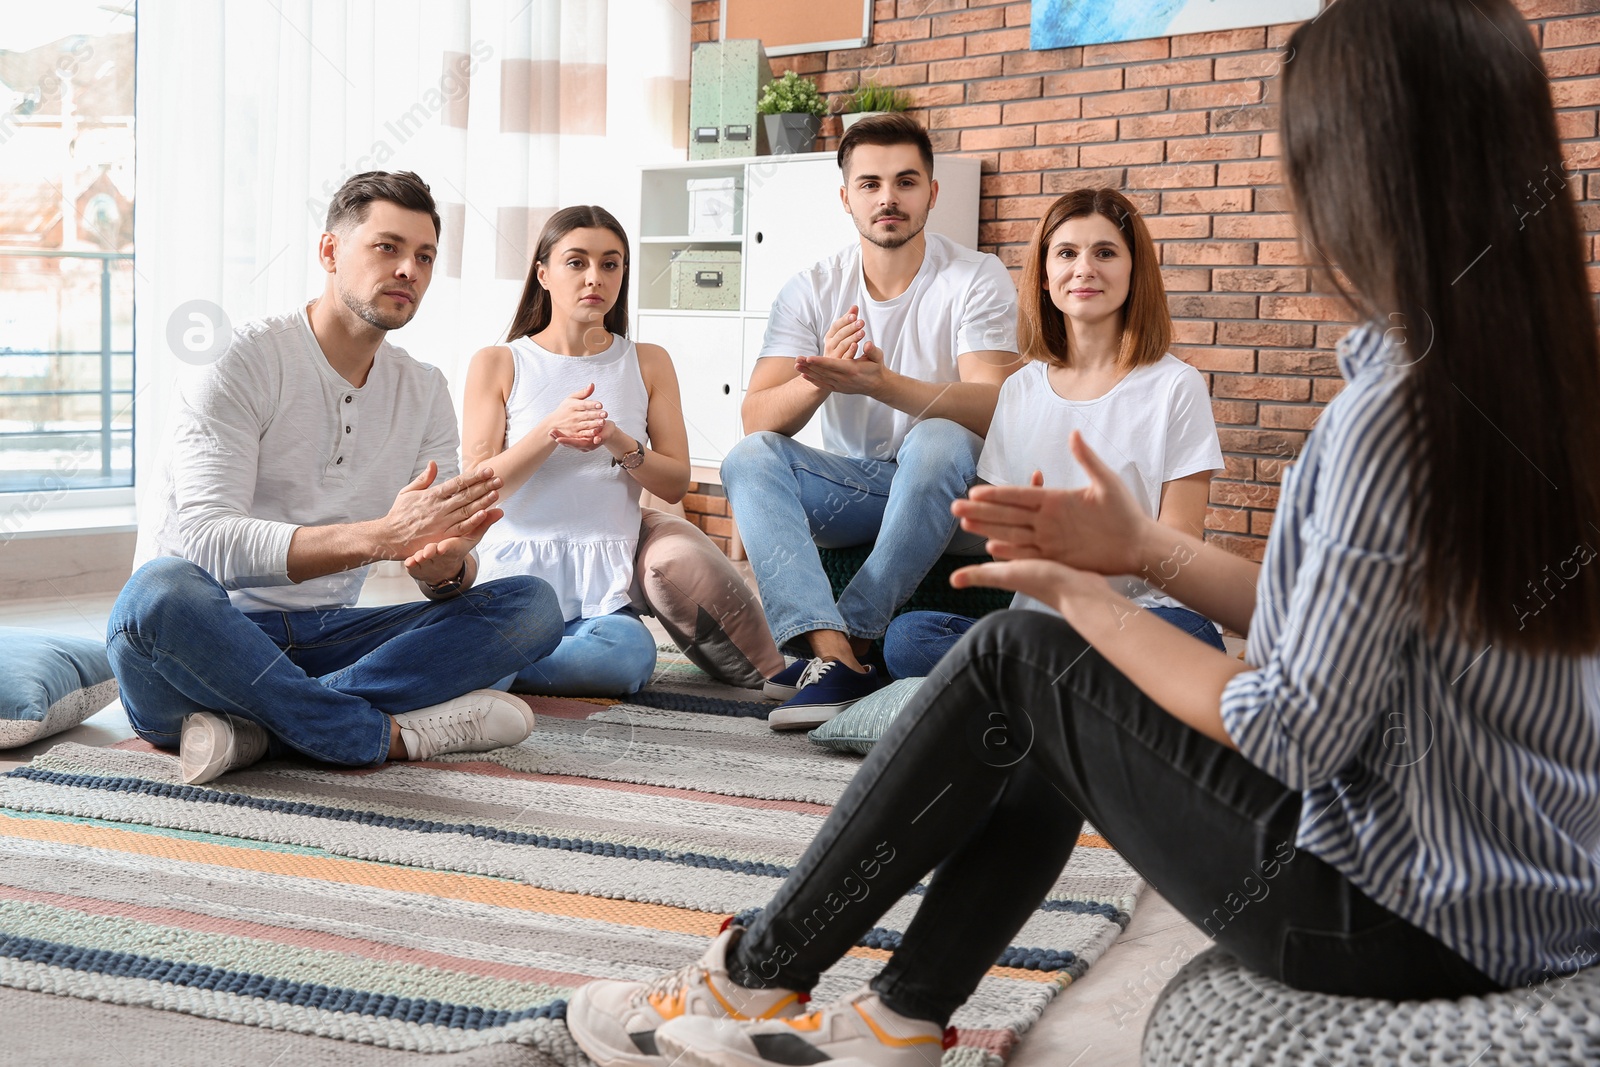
[919, 639]
[613, 655]
[321, 683]
[790, 499]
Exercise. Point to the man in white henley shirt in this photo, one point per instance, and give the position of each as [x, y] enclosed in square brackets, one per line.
[310, 449]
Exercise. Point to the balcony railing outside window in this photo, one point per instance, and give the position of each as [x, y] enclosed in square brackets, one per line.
[66, 370]
[66, 253]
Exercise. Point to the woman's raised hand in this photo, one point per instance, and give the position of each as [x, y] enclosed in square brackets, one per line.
[578, 421]
[1098, 528]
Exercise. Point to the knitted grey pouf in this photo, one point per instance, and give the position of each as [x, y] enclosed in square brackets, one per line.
[1217, 1013]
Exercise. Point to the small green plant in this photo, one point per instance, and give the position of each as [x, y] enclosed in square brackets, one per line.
[874, 97]
[791, 95]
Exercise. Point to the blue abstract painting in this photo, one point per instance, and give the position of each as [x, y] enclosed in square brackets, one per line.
[1065, 23]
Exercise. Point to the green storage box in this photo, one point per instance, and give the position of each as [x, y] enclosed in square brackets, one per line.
[725, 79]
[705, 280]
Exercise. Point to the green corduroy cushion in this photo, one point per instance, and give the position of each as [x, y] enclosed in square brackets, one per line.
[858, 727]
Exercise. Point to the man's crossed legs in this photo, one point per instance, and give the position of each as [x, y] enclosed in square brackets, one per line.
[342, 685]
[790, 499]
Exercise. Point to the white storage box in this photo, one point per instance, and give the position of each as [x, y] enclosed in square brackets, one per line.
[714, 207]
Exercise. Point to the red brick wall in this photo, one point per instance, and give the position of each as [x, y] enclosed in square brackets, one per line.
[707, 507]
[1186, 127]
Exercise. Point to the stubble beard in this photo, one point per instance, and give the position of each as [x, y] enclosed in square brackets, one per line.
[369, 312]
[893, 240]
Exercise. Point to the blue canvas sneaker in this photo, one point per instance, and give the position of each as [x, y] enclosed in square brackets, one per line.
[826, 687]
[786, 683]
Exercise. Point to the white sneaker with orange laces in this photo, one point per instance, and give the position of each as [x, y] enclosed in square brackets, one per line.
[615, 1022]
[859, 1030]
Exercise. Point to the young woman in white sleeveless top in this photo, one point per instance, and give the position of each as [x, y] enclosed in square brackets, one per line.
[577, 419]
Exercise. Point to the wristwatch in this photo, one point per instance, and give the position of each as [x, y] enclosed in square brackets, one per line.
[450, 585]
[630, 460]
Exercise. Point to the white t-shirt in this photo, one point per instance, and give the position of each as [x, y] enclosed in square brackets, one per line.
[270, 438]
[1152, 427]
[960, 301]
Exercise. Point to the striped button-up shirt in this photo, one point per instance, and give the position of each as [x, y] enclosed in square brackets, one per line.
[1458, 785]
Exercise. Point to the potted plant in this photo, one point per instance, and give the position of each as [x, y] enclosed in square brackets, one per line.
[792, 108]
[873, 99]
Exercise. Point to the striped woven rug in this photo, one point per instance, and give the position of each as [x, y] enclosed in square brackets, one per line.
[439, 907]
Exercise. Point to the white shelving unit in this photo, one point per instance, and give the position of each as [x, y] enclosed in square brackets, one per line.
[792, 218]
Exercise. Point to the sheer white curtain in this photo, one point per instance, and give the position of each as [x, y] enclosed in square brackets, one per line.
[250, 113]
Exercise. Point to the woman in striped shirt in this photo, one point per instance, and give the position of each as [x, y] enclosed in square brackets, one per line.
[1397, 794]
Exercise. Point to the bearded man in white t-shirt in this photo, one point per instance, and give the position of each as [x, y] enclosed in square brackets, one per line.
[901, 341]
[308, 450]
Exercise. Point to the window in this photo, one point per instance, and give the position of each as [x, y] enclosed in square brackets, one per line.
[66, 246]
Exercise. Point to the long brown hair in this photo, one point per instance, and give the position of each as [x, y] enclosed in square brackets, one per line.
[1146, 323]
[533, 310]
[1412, 134]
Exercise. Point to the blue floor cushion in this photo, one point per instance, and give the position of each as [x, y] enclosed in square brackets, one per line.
[49, 682]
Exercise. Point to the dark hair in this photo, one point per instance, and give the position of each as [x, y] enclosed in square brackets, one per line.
[533, 310]
[893, 128]
[353, 201]
[1146, 323]
[1412, 133]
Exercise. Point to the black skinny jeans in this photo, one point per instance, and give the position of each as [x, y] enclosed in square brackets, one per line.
[986, 778]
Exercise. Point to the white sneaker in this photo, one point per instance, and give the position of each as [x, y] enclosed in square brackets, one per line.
[858, 1029]
[213, 743]
[615, 1022]
[481, 720]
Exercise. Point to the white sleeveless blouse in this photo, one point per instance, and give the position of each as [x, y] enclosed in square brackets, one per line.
[575, 523]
